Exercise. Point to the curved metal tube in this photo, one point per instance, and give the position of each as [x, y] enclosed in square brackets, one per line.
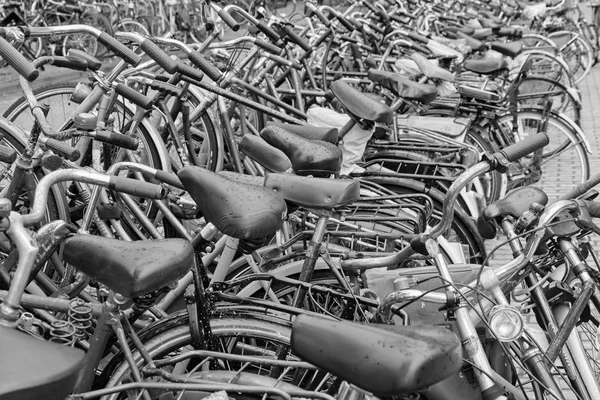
[45, 184]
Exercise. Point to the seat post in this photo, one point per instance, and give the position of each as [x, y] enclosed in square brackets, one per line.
[109, 322]
[312, 254]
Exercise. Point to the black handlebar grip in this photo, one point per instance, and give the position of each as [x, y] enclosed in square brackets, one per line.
[323, 37]
[74, 63]
[7, 155]
[117, 139]
[370, 6]
[510, 32]
[356, 51]
[136, 187]
[16, 60]
[525, 146]
[205, 66]
[376, 28]
[421, 48]
[347, 24]
[289, 32]
[190, 72]
[229, 20]
[377, 11]
[61, 149]
[169, 178]
[93, 63]
[134, 96]
[593, 208]
[418, 38]
[357, 24]
[266, 29]
[120, 49]
[581, 188]
[349, 39]
[164, 87]
[398, 18]
[158, 55]
[271, 48]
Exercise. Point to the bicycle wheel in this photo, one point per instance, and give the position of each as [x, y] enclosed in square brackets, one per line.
[576, 52]
[57, 95]
[130, 25]
[534, 40]
[56, 207]
[86, 42]
[564, 159]
[582, 346]
[241, 335]
[546, 64]
[151, 151]
[492, 186]
[535, 91]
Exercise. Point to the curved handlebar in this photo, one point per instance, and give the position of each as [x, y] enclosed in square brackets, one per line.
[126, 185]
[110, 42]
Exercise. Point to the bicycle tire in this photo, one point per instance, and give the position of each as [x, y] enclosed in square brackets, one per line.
[535, 91]
[576, 52]
[568, 146]
[549, 65]
[206, 134]
[493, 184]
[130, 25]
[56, 206]
[151, 150]
[61, 109]
[172, 335]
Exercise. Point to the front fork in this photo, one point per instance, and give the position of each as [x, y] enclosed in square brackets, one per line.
[466, 328]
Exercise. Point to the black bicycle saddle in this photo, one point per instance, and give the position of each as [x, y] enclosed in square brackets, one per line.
[386, 360]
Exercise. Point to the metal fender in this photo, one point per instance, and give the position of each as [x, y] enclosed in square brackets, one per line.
[565, 120]
[288, 270]
[163, 154]
[578, 129]
[201, 94]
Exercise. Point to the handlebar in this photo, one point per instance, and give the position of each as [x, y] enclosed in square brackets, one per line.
[504, 273]
[110, 42]
[152, 50]
[593, 207]
[498, 160]
[125, 185]
[195, 57]
[581, 188]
